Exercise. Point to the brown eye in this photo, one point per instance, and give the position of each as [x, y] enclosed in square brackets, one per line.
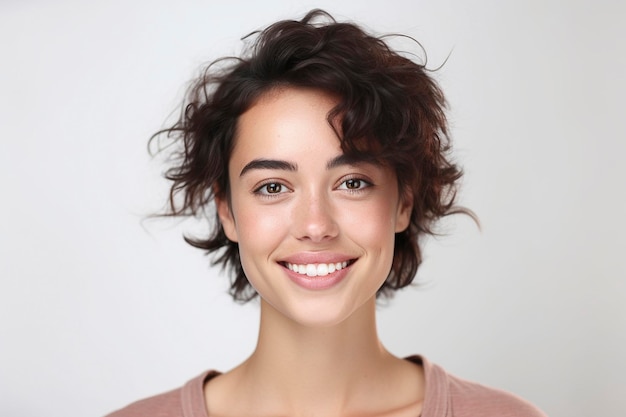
[353, 184]
[273, 188]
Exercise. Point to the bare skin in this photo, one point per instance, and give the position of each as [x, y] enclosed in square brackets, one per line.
[295, 201]
[340, 371]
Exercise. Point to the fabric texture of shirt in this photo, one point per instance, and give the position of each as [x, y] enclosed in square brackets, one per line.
[445, 396]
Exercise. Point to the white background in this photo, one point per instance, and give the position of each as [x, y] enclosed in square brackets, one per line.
[98, 308]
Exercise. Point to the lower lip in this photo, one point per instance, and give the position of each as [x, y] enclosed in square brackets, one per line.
[319, 282]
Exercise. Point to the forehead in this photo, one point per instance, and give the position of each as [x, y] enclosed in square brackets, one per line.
[288, 121]
[291, 107]
[288, 129]
[293, 124]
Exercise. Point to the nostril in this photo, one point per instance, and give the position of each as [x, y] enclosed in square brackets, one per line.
[314, 219]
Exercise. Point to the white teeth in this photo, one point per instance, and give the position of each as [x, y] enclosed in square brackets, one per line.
[316, 270]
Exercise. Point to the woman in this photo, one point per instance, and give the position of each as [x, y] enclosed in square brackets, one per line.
[325, 154]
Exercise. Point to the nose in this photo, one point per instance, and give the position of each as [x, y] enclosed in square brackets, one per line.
[314, 219]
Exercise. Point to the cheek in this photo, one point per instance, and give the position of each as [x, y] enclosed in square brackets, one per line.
[260, 228]
[372, 225]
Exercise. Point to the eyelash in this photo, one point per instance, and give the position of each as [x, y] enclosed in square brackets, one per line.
[363, 184]
[262, 190]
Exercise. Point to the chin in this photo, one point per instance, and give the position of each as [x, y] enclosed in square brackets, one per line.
[325, 313]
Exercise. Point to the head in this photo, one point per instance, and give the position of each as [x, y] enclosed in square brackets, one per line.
[388, 110]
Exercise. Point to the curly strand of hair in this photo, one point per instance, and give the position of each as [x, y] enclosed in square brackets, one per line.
[389, 109]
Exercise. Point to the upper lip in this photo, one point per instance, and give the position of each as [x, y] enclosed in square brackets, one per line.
[305, 258]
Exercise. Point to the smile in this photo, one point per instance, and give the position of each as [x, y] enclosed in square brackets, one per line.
[317, 270]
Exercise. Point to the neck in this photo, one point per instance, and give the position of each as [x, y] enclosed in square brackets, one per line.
[318, 368]
[305, 370]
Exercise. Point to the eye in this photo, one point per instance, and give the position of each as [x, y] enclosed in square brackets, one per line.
[271, 188]
[354, 184]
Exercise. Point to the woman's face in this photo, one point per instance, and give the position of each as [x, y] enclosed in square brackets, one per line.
[315, 230]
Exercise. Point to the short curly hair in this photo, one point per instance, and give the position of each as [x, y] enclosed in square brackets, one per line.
[389, 107]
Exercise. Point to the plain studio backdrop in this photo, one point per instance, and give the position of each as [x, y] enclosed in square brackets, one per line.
[99, 307]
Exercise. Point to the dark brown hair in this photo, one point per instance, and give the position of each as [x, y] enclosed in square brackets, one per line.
[389, 109]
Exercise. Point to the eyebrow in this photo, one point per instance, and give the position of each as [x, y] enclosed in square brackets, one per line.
[268, 164]
[277, 164]
[343, 159]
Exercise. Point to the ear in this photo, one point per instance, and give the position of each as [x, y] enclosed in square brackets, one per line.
[404, 210]
[225, 214]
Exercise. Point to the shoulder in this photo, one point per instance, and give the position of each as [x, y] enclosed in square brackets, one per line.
[452, 396]
[163, 405]
[186, 401]
[471, 399]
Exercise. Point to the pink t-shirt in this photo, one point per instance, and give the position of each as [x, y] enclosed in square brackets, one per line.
[445, 396]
